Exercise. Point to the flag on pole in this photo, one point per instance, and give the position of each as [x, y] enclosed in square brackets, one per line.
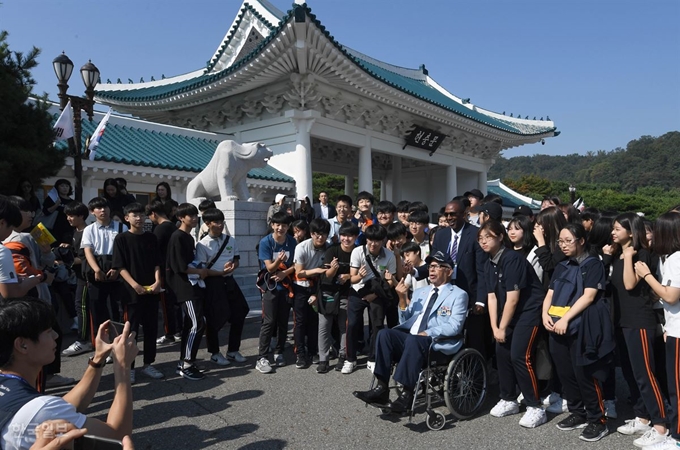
[97, 135]
[64, 125]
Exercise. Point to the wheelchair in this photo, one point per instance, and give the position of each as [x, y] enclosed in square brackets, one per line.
[458, 381]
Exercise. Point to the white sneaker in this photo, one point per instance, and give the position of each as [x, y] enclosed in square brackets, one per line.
[263, 365]
[634, 426]
[348, 367]
[236, 357]
[279, 360]
[533, 417]
[220, 360]
[133, 377]
[504, 408]
[151, 372]
[651, 437]
[370, 365]
[520, 398]
[165, 340]
[77, 348]
[668, 444]
[552, 398]
[610, 409]
[109, 360]
[558, 407]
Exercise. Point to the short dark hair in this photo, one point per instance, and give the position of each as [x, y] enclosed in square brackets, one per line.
[488, 198]
[386, 206]
[25, 317]
[364, 195]
[375, 233]
[410, 247]
[418, 206]
[206, 204]
[345, 199]
[281, 217]
[590, 213]
[9, 212]
[98, 202]
[349, 229]
[76, 209]
[122, 182]
[186, 209]
[159, 208]
[300, 224]
[212, 215]
[497, 228]
[396, 229]
[403, 206]
[319, 226]
[134, 207]
[64, 181]
[419, 217]
[21, 203]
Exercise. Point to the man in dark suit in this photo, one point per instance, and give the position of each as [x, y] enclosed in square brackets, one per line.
[435, 310]
[459, 240]
[323, 209]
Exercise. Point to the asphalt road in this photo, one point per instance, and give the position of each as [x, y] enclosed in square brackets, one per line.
[238, 407]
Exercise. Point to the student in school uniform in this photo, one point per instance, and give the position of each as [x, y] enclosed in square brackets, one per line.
[515, 299]
[136, 257]
[635, 322]
[666, 240]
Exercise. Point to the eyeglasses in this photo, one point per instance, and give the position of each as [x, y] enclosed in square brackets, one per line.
[437, 267]
[486, 238]
[565, 242]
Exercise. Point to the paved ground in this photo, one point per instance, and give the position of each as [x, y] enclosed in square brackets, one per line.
[237, 407]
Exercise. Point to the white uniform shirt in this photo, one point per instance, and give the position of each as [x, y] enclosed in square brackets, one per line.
[100, 238]
[207, 248]
[384, 260]
[7, 273]
[669, 267]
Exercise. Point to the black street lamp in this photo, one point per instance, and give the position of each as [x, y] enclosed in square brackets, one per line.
[572, 193]
[63, 68]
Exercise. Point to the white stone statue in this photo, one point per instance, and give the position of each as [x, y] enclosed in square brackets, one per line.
[225, 175]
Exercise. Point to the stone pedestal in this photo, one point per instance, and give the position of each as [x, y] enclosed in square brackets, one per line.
[247, 223]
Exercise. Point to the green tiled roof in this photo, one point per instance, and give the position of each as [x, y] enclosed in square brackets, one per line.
[149, 148]
[509, 200]
[414, 87]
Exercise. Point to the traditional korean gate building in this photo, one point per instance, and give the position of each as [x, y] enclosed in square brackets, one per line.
[282, 79]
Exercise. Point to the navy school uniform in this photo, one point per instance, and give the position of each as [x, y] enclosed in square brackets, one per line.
[509, 271]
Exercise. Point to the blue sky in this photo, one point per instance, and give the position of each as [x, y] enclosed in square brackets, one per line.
[606, 71]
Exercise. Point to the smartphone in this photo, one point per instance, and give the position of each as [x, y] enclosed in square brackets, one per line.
[115, 329]
[89, 442]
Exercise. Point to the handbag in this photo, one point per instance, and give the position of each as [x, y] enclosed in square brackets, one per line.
[378, 285]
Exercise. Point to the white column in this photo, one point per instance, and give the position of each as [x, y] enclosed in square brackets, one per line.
[383, 190]
[451, 182]
[349, 185]
[303, 121]
[481, 182]
[396, 180]
[365, 167]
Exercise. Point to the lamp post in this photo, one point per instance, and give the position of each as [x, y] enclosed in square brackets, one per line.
[572, 193]
[63, 67]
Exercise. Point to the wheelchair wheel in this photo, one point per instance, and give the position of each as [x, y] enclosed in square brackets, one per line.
[465, 383]
[435, 420]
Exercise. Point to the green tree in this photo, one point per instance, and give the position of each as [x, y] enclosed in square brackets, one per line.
[26, 135]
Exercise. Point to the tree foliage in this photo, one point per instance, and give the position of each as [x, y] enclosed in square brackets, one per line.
[644, 177]
[26, 135]
[334, 185]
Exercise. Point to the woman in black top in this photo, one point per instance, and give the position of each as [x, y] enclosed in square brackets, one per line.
[515, 297]
[112, 195]
[635, 322]
[26, 191]
[549, 223]
[61, 230]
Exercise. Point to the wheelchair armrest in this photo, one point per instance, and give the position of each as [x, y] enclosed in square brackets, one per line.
[447, 338]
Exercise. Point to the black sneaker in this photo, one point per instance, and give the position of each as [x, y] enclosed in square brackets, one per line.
[341, 362]
[191, 373]
[594, 432]
[301, 362]
[315, 359]
[322, 367]
[572, 423]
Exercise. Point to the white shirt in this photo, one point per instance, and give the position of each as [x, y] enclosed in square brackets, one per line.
[7, 273]
[416, 324]
[207, 248]
[335, 228]
[20, 431]
[324, 210]
[669, 267]
[384, 260]
[309, 257]
[100, 238]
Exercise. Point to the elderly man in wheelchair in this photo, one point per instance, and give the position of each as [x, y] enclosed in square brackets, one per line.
[432, 320]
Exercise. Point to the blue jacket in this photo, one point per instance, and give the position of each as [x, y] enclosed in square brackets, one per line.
[447, 316]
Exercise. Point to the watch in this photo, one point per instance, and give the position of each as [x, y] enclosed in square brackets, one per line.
[91, 363]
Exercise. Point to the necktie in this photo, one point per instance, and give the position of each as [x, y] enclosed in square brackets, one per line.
[454, 248]
[428, 310]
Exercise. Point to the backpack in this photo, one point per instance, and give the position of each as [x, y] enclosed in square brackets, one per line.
[22, 260]
[566, 290]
